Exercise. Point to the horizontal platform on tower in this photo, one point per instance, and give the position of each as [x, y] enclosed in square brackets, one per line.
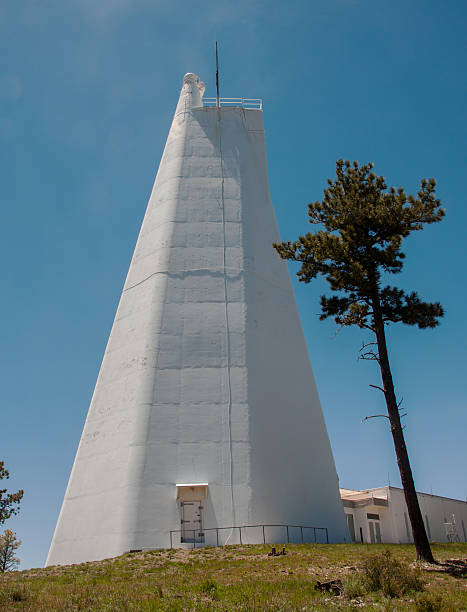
[248, 103]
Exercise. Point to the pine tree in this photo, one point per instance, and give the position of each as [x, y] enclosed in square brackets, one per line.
[9, 502]
[363, 225]
[8, 547]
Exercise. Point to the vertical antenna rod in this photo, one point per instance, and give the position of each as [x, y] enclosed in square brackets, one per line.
[217, 78]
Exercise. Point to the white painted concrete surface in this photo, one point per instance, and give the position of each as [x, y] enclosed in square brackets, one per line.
[206, 377]
[389, 504]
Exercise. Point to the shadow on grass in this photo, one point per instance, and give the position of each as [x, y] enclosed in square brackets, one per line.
[454, 567]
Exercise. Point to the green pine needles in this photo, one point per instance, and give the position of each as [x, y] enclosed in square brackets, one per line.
[9, 502]
[364, 225]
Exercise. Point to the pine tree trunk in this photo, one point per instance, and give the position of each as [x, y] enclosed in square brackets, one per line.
[421, 542]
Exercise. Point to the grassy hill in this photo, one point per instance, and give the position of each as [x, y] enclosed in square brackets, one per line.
[246, 578]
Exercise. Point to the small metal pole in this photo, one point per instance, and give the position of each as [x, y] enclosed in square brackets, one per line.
[314, 531]
[171, 541]
[264, 537]
[301, 531]
[240, 530]
[217, 78]
[217, 536]
[194, 539]
[287, 534]
[327, 536]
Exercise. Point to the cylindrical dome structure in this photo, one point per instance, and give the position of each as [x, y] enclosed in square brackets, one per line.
[205, 412]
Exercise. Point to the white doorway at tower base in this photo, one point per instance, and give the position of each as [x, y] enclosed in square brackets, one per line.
[191, 497]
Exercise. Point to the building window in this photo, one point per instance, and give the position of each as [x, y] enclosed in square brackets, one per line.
[373, 517]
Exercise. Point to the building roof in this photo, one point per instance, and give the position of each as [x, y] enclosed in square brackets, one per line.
[370, 497]
[354, 498]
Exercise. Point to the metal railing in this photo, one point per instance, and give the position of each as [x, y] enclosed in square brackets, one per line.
[316, 530]
[248, 103]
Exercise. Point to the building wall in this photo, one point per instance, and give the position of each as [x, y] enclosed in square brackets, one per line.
[394, 519]
[436, 509]
[361, 522]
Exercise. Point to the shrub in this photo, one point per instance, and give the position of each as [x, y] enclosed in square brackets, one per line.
[429, 602]
[14, 593]
[382, 572]
[210, 587]
[354, 587]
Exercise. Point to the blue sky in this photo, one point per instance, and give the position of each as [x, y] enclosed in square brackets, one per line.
[87, 92]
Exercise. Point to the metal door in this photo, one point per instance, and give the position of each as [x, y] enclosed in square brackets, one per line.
[192, 523]
[372, 532]
[378, 532]
[375, 532]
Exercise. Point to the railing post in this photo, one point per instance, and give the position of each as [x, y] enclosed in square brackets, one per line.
[240, 527]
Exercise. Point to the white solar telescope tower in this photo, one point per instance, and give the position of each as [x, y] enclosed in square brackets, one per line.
[205, 412]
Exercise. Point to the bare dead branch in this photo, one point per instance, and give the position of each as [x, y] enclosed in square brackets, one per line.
[338, 330]
[376, 387]
[375, 416]
[369, 356]
[368, 344]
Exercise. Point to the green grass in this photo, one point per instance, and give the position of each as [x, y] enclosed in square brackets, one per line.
[241, 578]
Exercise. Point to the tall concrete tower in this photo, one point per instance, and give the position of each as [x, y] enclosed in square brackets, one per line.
[205, 412]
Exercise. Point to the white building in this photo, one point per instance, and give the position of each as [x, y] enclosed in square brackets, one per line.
[380, 515]
[205, 412]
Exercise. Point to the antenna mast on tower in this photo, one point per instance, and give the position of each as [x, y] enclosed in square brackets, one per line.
[217, 78]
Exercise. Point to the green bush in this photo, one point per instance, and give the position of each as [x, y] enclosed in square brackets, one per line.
[354, 587]
[210, 587]
[382, 572]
